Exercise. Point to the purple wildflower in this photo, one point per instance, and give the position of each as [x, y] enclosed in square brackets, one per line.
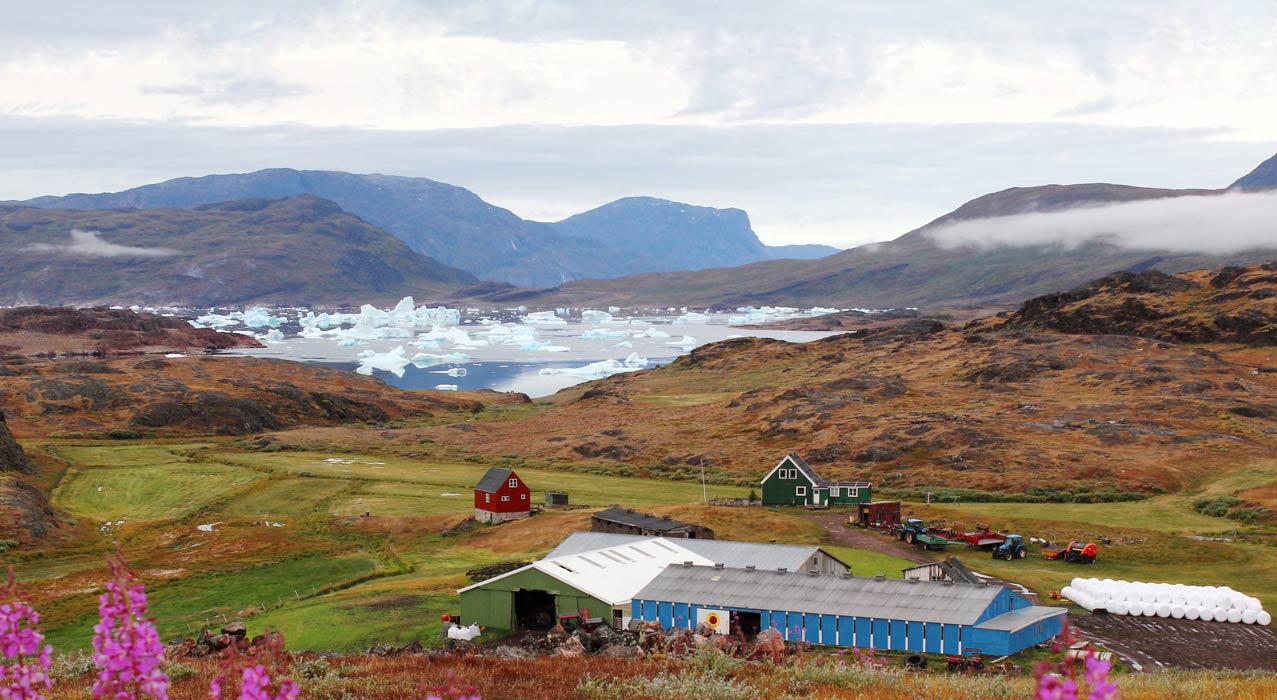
[126, 645]
[256, 685]
[1097, 679]
[24, 664]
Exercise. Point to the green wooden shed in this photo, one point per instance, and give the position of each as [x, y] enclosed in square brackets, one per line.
[792, 482]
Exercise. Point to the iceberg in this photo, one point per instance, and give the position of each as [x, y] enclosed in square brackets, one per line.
[686, 341]
[446, 387]
[393, 361]
[422, 359]
[544, 318]
[592, 316]
[350, 343]
[692, 317]
[652, 333]
[598, 370]
[603, 334]
[614, 310]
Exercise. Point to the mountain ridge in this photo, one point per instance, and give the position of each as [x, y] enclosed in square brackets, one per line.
[457, 227]
[296, 250]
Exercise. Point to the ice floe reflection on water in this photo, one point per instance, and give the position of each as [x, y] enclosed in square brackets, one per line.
[524, 377]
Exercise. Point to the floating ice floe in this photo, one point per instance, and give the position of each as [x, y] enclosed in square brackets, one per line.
[423, 359]
[685, 342]
[393, 361]
[592, 316]
[652, 333]
[604, 334]
[598, 370]
[544, 318]
[692, 317]
[447, 387]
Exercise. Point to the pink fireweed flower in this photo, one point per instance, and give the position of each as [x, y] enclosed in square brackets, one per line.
[24, 664]
[256, 685]
[454, 688]
[1097, 680]
[126, 645]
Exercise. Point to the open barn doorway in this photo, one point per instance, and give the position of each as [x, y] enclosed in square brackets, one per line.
[534, 610]
[747, 623]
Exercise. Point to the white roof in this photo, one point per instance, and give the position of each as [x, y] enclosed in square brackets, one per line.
[612, 574]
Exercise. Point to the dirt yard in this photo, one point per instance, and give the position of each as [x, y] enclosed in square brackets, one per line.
[1153, 643]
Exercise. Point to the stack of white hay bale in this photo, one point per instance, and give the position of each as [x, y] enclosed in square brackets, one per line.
[1217, 603]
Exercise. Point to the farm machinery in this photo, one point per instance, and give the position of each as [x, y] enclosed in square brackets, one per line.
[914, 531]
[1074, 553]
[1012, 547]
[983, 537]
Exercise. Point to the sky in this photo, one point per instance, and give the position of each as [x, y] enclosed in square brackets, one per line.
[836, 122]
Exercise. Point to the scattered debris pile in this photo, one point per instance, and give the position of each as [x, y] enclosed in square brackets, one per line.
[207, 644]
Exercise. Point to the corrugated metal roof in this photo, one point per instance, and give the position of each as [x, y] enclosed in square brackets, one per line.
[859, 596]
[493, 480]
[612, 574]
[1019, 619]
[633, 518]
[734, 554]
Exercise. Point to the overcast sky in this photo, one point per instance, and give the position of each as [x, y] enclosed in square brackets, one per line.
[837, 122]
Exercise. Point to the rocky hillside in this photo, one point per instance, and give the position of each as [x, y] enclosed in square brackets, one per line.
[913, 270]
[455, 226]
[294, 250]
[25, 513]
[1025, 399]
[206, 396]
[1231, 305]
[104, 332]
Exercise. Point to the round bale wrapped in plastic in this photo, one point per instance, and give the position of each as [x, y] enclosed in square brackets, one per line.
[1263, 618]
[1234, 615]
[1206, 613]
[1249, 617]
[1192, 613]
[1177, 612]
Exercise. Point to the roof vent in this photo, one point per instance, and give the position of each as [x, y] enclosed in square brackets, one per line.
[718, 565]
[880, 577]
[813, 572]
[846, 574]
[687, 563]
[946, 582]
[750, 567]
[912, 580]
[781, 570]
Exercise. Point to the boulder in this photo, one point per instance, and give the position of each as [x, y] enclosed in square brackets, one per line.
[236, 629]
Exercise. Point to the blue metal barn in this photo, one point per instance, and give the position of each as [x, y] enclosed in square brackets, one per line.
[854, 611]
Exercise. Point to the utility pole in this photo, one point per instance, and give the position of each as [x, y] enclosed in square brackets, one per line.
[928, 498]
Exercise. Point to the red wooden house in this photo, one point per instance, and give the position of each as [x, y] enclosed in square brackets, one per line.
[500, 496]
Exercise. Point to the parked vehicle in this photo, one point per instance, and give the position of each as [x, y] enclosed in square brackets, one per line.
[1012, 547]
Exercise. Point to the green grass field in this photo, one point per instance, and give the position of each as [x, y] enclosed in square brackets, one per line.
[165, 491]
[460, 477]
[1172, 514]
[184, 606]
[283, 497]
[866, 563]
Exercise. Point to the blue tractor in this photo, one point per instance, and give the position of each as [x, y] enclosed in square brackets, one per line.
[1011, 548]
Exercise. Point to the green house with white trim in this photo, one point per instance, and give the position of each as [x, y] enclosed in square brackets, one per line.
[793, 482]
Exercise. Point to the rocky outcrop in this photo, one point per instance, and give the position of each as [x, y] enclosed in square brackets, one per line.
[1228, 305]
[103, 332]
[12, 458]
[25, 513]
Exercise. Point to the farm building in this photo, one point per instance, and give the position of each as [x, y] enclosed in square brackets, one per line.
[793, 482]
[793, 557]
[624, 521]
[867, 612]
[601, 572]
[500, 496]
[950, 569]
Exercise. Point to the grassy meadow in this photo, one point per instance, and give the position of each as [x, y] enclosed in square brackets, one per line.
[342, 550]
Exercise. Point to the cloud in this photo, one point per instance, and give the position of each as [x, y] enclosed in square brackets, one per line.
[89, 244]
[1220, 224]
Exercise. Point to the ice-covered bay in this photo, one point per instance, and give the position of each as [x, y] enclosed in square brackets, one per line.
[535, 352]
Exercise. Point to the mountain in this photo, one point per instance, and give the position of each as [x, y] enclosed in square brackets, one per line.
[455, 226]
[295, 250]
[702, 237]
[913, 270]
[1263, 176]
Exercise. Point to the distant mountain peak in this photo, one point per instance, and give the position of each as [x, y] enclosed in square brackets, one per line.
[1265, 175]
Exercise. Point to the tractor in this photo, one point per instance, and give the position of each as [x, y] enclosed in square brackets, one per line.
[1075, 553]
[969, 660]
[1011, 548]
[909, 530]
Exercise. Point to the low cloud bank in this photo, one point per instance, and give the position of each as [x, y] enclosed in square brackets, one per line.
[89, 244]
[1216, 224]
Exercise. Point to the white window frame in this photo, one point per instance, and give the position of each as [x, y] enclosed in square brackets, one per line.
[853, 491]
[514, 483]
[800, 491]
[505, 498]
[523, 496]
[487, 498]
